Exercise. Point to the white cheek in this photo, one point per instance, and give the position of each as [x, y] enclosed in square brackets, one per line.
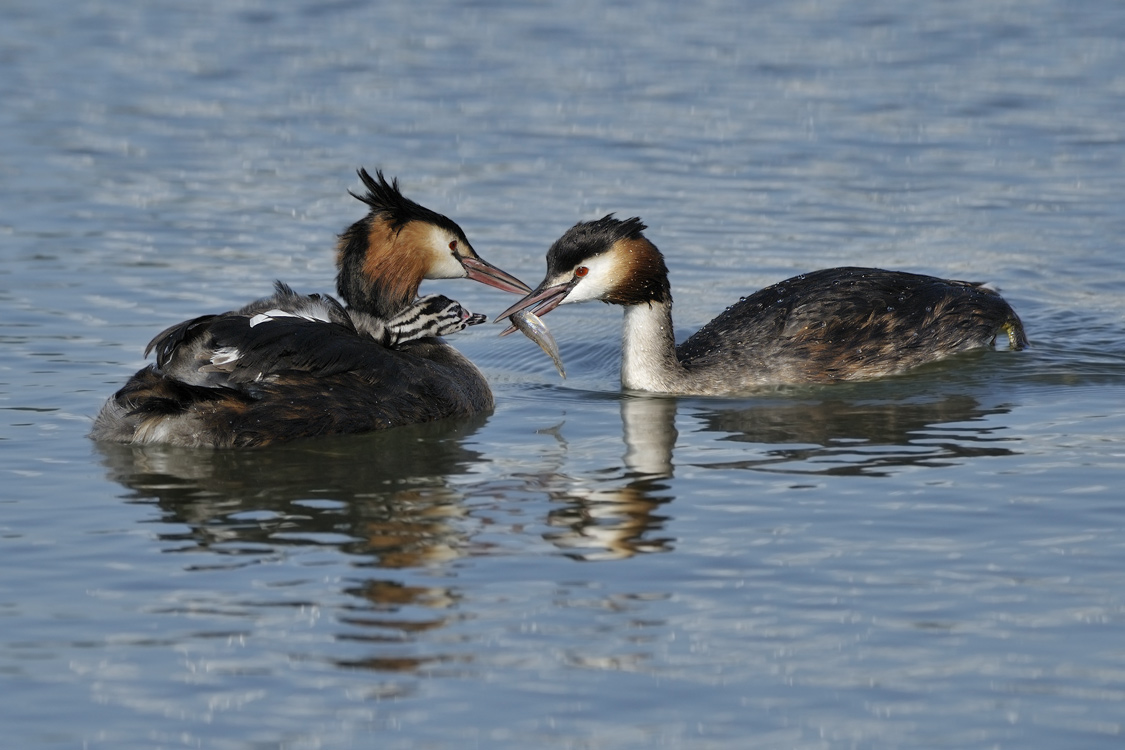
[446, 267]
[443, 265]
[599, 280]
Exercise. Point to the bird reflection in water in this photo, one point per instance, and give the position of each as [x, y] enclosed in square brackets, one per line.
[852, 437]
[379, 622]
[612, 524]
[872, 429]
[392, 502]
[383, 499]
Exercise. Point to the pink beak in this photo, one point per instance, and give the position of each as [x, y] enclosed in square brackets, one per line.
[542, 300]
[486, 273]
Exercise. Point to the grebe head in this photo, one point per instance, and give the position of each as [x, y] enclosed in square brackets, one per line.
[384, 257]
[608, 260]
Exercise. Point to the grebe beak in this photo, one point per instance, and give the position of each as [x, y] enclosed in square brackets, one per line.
[542, 300]
[481, 270]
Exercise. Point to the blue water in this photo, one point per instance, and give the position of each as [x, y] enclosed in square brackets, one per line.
[931, 561]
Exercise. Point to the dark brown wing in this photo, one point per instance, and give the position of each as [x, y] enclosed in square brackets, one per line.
[266, 374]
[844, 323]
[335, 385]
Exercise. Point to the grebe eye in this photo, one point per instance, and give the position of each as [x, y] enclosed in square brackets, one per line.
[453, 246]
[581, 271]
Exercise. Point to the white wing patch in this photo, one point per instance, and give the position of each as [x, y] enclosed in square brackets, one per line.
[270, 315]
[225, 355]
[312, 312]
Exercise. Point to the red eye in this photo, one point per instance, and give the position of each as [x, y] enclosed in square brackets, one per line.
[581, 271]
[453, 246]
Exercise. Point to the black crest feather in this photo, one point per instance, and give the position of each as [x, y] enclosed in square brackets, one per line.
[385, 199]
[587, 239]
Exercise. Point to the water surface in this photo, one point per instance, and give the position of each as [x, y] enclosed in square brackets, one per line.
[927, 561]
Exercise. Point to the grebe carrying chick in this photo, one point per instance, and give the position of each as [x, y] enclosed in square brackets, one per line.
[826, 326]
[294, 366]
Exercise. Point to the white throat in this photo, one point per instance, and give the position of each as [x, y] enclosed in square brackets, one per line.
[648, 351]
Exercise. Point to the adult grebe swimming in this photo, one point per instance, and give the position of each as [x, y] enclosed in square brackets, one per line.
[821, 327]
[293, 366]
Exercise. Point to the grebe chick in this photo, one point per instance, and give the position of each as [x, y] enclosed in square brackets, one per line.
[821, 327]
[293, 366]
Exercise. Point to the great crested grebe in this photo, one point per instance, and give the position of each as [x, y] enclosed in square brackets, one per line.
[820, 327]
[293, 366]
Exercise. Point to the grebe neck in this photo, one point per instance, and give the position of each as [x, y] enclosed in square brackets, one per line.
[376, 276]
[648, 352]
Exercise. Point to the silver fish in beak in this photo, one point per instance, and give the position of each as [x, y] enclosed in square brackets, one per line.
[529, 324]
